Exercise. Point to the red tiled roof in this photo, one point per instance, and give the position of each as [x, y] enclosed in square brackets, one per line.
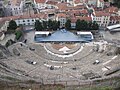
[62, 6]
[23, 17]
[76, 1]
[115, 18]
[101, 13]
[73, 20]
[61, 15]
[111, 9]
[52, 2]
[40, 1]
[79, 7]
[78, 12]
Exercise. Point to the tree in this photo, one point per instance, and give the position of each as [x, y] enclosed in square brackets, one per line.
[38, 25]
[58, 24]
[81, 25]
[54, 25]
[12, 26]
[68, 24]
[78, 25]
[90, 25]
[44, 25]
[18, 34]
[50, 24]
[95, 26]
[84, 25]
[117, 3]
[106, 0]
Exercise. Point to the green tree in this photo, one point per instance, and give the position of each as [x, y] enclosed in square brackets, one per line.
[12, 26]
[18, 34]
[78, 25]
[38, 25]
[106, 0]
[81, 25]
[84, 25]
[117, 3]
[50, 24]
[95, 26]
[68, 24]
[58, 24]
[44, 25]
[55, 25]
[90, 25]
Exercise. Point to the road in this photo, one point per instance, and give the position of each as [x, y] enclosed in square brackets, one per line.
[110, 36]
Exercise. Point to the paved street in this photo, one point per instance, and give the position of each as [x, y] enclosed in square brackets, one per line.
[110, 36]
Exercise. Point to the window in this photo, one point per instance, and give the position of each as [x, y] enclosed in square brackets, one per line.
[28, 20]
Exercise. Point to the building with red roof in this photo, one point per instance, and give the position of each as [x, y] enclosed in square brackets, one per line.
[62, 17]
[74, 19]
[102, 18]
[114, 20]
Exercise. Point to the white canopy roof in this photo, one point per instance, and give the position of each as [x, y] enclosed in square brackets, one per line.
[42, 32]
[84, 33]
[113, 26]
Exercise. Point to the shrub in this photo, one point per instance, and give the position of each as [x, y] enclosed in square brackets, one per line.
[18, 34]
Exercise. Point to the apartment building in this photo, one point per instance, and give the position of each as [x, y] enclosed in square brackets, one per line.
[62, 18]
[74, 20]
[102, 18]
[44, 4]
[97, 3]
[14, 8]
[100, 4]
[114, 20]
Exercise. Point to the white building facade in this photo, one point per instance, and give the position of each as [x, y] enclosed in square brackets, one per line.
[62, 18]
[15, 9]
[102, 18]
[26, 21]
[100, 4]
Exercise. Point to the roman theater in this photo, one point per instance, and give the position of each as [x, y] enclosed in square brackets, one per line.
[60, 62]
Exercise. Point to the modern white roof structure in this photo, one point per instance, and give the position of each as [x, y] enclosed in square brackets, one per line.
[80, 32]
[63, 36]
[85, 33]
[113, 26]
[42, 32]
[117, 29]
